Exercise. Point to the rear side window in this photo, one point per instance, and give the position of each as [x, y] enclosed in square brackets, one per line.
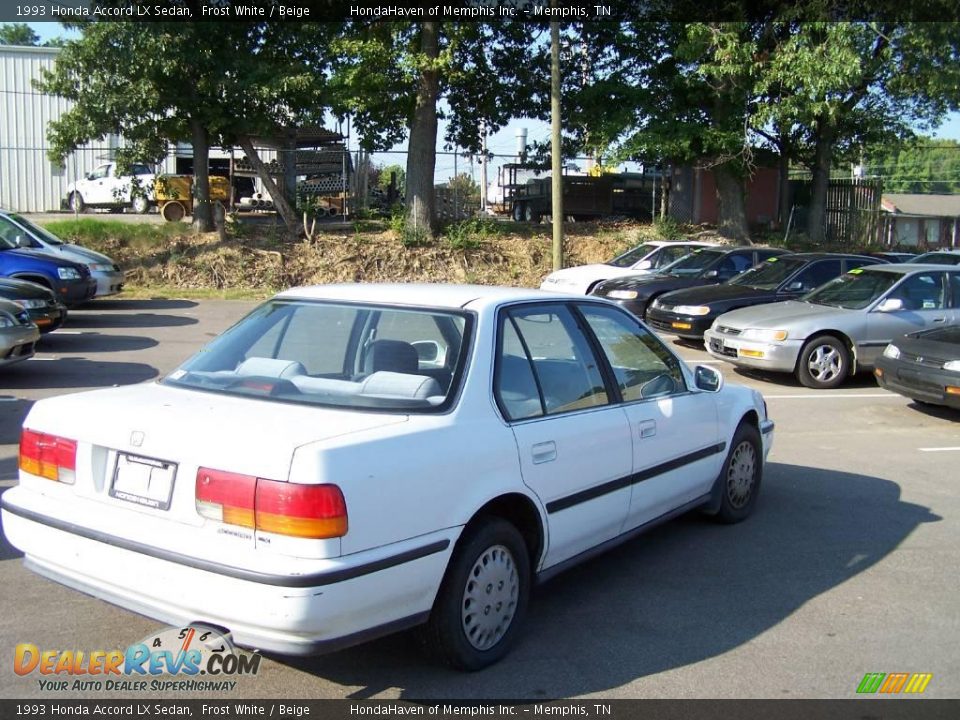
[923, 291]
[953, 281]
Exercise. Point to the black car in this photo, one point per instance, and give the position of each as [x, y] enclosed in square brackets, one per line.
[704, 266]
[42, 306]
[689, 313]
[923, 366]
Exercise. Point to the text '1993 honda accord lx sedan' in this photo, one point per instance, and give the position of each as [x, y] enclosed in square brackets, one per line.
[350, 460]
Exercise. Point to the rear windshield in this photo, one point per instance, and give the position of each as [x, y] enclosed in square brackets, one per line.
[339, 355]
[632, 257]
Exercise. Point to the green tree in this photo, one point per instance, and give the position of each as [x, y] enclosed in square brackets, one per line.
[924, 165]
[156, 83]
[18, 34]
[397, 79]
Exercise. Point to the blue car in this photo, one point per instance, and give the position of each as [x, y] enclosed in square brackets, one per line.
[71, 282]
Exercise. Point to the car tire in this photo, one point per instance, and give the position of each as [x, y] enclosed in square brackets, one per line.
[140, 204]
[529, 215]
[518, 209]
[76, 202]
[824, 363]
[741, 475]
[482, 601]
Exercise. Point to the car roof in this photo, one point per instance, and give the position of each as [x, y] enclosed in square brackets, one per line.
[432, 295]
[903, 268]
[817, 255]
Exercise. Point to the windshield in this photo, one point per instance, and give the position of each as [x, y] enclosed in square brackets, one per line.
[632, 257]
[768, 275]
[854, 290]
[693, 264]
[335, 355]
[45, 235]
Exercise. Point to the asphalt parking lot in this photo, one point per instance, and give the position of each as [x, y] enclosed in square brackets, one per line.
[847, 567]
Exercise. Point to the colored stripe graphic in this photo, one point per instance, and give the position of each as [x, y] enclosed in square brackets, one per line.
[918, 682]
[871, 682]
[893, 683]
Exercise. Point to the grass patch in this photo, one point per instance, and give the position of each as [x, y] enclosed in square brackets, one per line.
[107, 235]
[170, 292]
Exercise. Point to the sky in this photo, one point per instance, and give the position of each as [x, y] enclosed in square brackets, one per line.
[502, 142]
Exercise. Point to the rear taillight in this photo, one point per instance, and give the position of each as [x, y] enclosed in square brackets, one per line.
[49, 456]
[306, 511]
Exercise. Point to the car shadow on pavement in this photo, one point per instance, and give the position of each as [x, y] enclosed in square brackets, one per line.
[83, 319]
[148, 304]
[7, 551]
[936, 411]
[93, 342]
[74, 372]
[685, 592]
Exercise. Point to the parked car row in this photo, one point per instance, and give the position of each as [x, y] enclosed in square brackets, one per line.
[820, 316]
[41, 276]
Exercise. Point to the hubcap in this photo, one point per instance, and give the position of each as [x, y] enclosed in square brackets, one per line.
[490, 597]
[741, 474]
[824, 363]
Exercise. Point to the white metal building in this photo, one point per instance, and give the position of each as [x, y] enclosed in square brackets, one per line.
[29, 182]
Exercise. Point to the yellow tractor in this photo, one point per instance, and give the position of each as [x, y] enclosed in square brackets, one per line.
[174, 194]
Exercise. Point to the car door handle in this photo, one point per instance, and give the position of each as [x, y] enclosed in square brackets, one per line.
[544, 452]
[939, 319]
[648, 428]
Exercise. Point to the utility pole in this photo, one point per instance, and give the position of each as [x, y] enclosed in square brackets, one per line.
[483, 168]
[555, 150]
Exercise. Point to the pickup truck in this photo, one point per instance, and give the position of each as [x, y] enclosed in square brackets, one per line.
[104, 188]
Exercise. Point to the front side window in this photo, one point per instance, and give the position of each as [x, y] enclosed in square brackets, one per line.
[817, 274]
[100, 172]
[632, 257]
[923, 291]
[643, 367]
[565, 372]
[341, 355]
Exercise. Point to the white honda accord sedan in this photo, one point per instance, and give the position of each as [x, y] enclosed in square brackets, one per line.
[350, 460]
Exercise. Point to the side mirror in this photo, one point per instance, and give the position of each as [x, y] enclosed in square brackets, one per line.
[644, 265]
[22, 242]
[795, 286]
[890, 305]
[89, 176]
[711, 274]
[707, 378]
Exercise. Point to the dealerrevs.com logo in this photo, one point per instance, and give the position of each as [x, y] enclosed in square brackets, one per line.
[192, 658]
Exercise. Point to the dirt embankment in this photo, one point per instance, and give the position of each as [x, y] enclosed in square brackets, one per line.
[255, 260]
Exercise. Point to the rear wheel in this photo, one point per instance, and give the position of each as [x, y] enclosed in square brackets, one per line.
[483, 598]
[824, 363]
[518, 212]
[76, 202]
[529, 215]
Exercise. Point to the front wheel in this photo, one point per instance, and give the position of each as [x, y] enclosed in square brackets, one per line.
[77, 204]
[483, 598]
[741, 474]
[824, 363]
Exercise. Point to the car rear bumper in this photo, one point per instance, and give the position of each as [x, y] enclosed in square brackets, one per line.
[923, 384]
[775, 356]
[329, 605]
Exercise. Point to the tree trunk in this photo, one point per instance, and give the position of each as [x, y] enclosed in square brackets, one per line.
[422, 156]
[731, 199]
[817, 214]
[280, 202]
[202, 216]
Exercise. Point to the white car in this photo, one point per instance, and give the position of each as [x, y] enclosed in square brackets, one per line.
[641, 260]
[104, 188]
[350, 460]
[25, 234]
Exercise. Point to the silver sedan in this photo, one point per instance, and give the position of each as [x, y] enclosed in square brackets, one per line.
[841, 327]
